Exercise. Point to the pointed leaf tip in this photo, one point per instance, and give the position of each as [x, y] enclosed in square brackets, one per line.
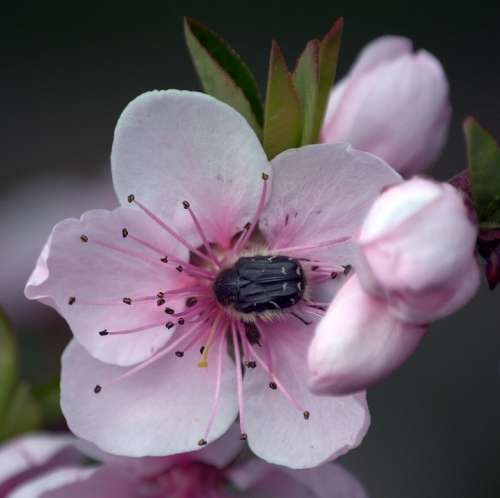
[222, 72]
[282, 114]
[306, 81]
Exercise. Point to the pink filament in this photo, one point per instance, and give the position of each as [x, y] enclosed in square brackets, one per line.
[246, 234]
[208, 248]
[137, 329]
[172, 232]
[273, 377]
[239, 377]
[218, 379]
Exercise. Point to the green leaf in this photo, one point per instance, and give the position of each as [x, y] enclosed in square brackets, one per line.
[8, 362]
[484, 170]
[283, 113]
[306, 81]
[328, 58]
[48, 396]
[223, 74]
[22, 414]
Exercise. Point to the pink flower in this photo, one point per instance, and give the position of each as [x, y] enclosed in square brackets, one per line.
[27, 456]
[417, 248]
[214, 247]
[393, 103]
[416, 264]
[213, 472]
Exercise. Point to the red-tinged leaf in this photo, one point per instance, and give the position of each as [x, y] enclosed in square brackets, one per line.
[223, 74]
[283, 113]
[306, 81]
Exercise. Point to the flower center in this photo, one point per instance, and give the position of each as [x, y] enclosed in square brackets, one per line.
[260, 284]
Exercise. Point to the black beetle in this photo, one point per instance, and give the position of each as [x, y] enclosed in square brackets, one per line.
[257, 284]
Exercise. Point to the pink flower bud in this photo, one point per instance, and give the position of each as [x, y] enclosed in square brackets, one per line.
[358, 343]
[417, 250]
[393, 103]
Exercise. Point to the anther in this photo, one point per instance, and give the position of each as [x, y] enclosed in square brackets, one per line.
[160, 302]
[124, 233]
[181, 321]
[179, 268]
[186, 204]
[251, 364]
[333, 275]
[84, 238]
[160, 295]
[169, 325]
[104, 332]
[202, 349]
[306, 415]
[247, 225]
[179, 354]
[243, 436]
[71, 300]
[202, 442]
[169, 311]
[97, 389]
[273, 385]
[347, 269]
[127, 300]
[131, 198]
[191, 301]
[164, 259]
[314, 268]
[265, 177]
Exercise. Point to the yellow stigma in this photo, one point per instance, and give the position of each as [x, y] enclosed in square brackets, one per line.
[203, 361]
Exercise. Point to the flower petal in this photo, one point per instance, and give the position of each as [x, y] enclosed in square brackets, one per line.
[329, 481]
[320, 193]
[161, 410]
[79, 482]
[417, 250]
[171, 146]
[358, 343]
[277, 431]
[393, 103]
[380, 50]
[90, 273]
[31, 454]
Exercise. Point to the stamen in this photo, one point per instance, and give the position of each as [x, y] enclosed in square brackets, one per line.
[168, 349]
[247, 233]
[319, 245]
[124, 233]
[133, 330]
[194, 270]
[171, 231]
[197, 224]
[218, 381]
[84, 238]
[71, 300]
[239, 380]
[203, 361]
[279, 385]
[132, 254]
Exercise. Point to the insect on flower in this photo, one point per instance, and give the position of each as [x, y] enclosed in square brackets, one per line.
[196, 300]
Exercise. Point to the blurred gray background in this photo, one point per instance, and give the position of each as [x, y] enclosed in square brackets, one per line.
[69, 70]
